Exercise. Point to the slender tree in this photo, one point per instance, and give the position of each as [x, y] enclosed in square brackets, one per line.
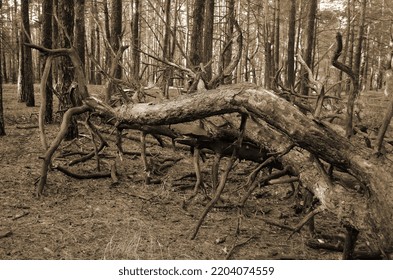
[227, 56]
[268, 47]
[208, 37]
[166, 50]
[79, 29]
[136, 57]
[47, 10]
[277, 36]
[116, 31]
[93, 42]
[310, 37]
[196, 46]
[55, 41]
[2, 124]
[65, 12]
[26, 71]
[291, 44]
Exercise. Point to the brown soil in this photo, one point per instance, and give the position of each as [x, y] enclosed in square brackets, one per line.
[91, 219]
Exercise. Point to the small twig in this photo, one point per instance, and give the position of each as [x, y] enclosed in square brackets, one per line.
[273, 223]
[115, 179]
[146, 167]
[5, 234]
[88, 125]
[16, 217]
[304, 221]
[89, 155]
[27, 126]
[84, 176]
[215, 170]
[133, 195]
[237, 245]
[263, 181]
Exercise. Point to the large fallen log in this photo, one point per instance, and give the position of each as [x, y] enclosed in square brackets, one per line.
[287, 126]
[373, 214]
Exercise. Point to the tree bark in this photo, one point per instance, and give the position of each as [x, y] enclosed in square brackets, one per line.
[115, 36]
[27, 78]
[370, 215]
[47, 9]
[277, 37]
[2, 124]
[166, 51]
[196, 46]
[291, 45]
[310, 37]
[208, 38]
[65, 10]
[79, 29]
[227, 55]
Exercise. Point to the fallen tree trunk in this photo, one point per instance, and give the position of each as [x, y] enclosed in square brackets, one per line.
[287, 126]
[373, 213]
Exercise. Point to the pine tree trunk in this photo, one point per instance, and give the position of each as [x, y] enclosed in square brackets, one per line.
[65, 11]
[310, 37]
[115, 36]
[47, 8]
[166, 49]
[2, 124]
[291, 45]
[277, 37]
[227, 56]
[208, 38]
[27, 76]
[136, 57]
[79, 29]
[196, 45]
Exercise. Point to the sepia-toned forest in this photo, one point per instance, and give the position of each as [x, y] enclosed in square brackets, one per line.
[196, 129]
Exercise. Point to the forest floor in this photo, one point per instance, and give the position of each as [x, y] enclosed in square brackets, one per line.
[92, 219]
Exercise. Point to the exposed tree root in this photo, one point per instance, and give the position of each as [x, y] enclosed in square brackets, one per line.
[89, 155]
[146, 167]
[305, 220]
[72, 174]
[237, 246]
[55, 144]
[339, 247]
[115, 179]
[351, 237]
[263, 181]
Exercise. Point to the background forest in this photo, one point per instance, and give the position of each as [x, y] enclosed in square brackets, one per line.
[188, 33]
